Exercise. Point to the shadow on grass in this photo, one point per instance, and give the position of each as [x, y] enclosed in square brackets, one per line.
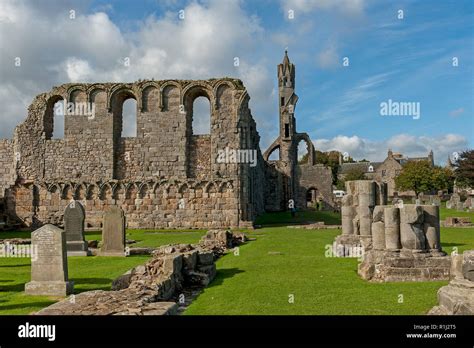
[223, 274]
[451, 244]
[25, 305]
[21, 265]
[13, 288]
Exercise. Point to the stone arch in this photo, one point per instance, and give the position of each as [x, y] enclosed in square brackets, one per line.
[74, 90]
[150, 96]
[226, 186]
[312, 196]
[80, 192]
[97, 94]
[131, 192]
[183, 188]
[171, 191]
[77, 94]
[118, 192]
[309, 146]
[92, 192]
[117, 99]
[67, 192]
[211, 187]
[143, 190]
[270, 151]
[53, 188]
[219, 90]
[105, 192]
[49, 116]
[170, 91]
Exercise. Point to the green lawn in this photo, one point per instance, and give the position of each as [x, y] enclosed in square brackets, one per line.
[281, 262]
[445, 212]
[155, 238]
[88, 273]
[284, 218]
[256, 282]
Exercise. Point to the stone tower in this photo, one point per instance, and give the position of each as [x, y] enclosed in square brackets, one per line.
[287, 100]
[286, 178]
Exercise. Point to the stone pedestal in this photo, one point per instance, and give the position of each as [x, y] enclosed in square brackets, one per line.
[458, 296]
[49, 273]
[400, 266]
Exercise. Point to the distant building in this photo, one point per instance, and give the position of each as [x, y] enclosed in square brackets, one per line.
[385, 171]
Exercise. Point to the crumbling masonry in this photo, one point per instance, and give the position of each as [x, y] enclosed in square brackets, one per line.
[166, 176]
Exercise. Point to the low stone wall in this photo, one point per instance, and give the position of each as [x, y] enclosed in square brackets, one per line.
[151, 288]
[457, 298]
[160, 204]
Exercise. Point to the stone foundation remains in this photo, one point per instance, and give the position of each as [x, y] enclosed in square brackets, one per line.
[457, 298]
[405, 245]
[362, 197]
[151, 289]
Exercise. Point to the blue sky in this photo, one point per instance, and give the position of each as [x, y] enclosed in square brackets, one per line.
[406, 60]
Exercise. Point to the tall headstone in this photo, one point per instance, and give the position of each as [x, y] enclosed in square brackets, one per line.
[74, 217]
[113, 232]
[49, 274]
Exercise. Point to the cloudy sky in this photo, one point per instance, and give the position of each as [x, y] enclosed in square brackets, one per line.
[404, 57]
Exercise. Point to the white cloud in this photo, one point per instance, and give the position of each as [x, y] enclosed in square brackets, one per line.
[409, 145]
[350, 7]
[91, 48]
[328, 58]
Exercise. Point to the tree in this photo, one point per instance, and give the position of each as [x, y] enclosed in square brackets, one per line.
[443, 178]
[421, 176]
[355, 174]
[464, 169]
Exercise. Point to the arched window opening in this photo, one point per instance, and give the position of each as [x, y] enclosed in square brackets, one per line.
[58, 120]
[129, 118]
[53, 121]
[303, 152]
[201, 116]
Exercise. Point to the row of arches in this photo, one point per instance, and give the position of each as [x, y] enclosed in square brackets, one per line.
[145, 91]
[132, 190]
[197, 99]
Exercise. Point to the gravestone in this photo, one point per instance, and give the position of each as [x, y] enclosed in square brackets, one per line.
[113, 232]
[49, 274]
[74, 217]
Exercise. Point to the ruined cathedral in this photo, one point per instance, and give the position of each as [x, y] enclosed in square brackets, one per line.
[166, 176]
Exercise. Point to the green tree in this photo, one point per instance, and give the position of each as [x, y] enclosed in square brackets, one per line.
[443, 178]
[421, 176]
[464, 169]
[355, 174]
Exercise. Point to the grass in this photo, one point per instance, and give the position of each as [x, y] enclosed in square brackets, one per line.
[155, 238]
[445, 212]
[88, 273]
[284, 218]
[256, 282]
[281, 262]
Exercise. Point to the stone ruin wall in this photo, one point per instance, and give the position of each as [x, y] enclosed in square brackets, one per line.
[7, 169]
[148, 174]
[316, 176]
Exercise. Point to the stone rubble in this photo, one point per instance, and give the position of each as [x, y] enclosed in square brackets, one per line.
[149, 289]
